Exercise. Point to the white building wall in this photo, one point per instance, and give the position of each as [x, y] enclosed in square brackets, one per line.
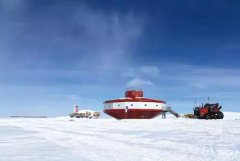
[134, 105]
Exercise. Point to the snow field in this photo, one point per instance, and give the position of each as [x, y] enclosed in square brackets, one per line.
[58, 139]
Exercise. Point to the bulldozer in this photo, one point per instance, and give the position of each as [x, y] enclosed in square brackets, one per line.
[208, 111]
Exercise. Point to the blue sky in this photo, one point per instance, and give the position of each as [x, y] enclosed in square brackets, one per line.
[55, 53]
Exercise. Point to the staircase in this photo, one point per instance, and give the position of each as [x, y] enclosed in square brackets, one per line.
[170, 110]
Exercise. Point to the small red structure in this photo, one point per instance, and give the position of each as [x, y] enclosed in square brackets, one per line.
[75, 109]
[134, 106]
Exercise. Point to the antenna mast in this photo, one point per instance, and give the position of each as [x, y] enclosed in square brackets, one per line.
[208, 99]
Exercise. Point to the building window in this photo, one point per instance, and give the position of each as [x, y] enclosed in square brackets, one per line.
[118, 105]
[131, 104]
[145, 105]
[157, 105]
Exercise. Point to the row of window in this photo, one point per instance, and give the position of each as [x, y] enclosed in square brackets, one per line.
[132, 105]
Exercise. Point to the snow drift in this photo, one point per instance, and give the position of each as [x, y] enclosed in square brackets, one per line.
[59, 139]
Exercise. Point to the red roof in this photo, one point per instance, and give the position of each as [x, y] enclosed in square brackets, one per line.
[138, 99]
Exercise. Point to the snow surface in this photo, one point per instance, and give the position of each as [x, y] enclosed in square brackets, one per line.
[65, 139]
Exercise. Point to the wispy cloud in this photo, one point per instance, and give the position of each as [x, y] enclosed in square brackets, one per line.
[73, 98]
[82, 38]
[150, 70]
[212, 77]
[139, 83]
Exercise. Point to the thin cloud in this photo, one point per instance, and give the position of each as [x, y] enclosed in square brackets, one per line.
[150, 70]
[139, 83]
[82, 38]
[212, 77]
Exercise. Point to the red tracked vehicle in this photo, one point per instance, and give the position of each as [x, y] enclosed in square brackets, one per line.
[208, 111]
[134, 106]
